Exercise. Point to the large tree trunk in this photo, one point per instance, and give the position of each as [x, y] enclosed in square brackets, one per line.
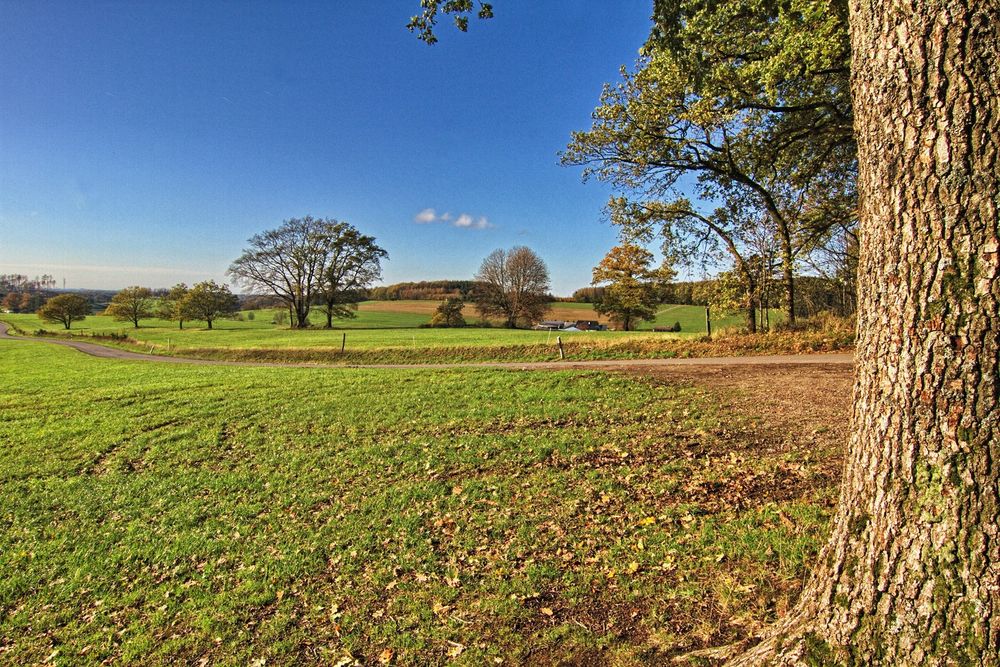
[911, 574]
[301, 316]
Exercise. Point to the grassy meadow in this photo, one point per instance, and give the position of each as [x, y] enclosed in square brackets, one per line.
[247, 516]
[386, 332]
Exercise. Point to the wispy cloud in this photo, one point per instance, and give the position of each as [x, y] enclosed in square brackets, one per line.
[463, 221]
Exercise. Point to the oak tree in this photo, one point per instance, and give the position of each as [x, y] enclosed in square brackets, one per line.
[132, 304]
[716, 104]
[633, 285]
[449, 314]
[169, 305]
[65, 309]
[352, 262]
[911, 572]
[208, 301]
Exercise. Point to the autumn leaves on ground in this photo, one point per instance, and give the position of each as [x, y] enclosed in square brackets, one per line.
[211, 515]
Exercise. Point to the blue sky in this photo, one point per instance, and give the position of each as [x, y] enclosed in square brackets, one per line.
[143, 142]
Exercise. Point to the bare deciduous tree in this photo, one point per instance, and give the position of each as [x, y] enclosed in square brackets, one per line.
[287, 262]
[310, 260]
[513, 284]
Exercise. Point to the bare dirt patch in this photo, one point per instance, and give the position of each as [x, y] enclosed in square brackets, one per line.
[789, 406]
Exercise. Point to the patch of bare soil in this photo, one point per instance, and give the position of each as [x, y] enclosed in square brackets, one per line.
[776, 408]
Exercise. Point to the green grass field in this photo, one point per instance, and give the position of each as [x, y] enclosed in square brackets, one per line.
[370, 315]
[386, 331]
[171, 514]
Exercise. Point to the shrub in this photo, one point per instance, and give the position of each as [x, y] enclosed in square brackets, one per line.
[676, 327]
[824, 321]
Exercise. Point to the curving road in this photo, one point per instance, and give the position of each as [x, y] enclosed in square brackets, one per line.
[103, 352]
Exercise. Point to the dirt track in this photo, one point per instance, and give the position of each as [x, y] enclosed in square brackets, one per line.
[101, 351]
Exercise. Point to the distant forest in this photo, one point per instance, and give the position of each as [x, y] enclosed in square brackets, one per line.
[438, 290]
[21, 294]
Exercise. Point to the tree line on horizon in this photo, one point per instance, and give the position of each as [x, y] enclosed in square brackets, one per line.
[206, 301]
[625, 289]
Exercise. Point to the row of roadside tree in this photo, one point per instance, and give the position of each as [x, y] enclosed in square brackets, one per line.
[206, 301]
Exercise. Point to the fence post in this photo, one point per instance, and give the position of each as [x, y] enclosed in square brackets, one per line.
[343, 343]
[708, 320]
[562, 355]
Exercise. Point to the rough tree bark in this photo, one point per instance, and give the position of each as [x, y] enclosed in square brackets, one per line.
[911, 574]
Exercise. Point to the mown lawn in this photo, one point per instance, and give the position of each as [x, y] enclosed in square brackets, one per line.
[169, 514]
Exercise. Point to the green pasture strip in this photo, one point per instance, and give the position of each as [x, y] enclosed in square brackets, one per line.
[396, 325]
[258, 339]
[173, 514]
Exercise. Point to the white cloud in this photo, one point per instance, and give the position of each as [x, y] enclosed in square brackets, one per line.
[463, 221]
[425, 216]
[468, 222]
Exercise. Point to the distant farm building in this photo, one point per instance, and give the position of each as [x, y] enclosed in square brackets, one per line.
[566, 325]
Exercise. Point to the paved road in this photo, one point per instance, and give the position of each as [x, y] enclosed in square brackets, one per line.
[767, 360]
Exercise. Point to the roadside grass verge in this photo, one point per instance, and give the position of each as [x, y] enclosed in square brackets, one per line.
[232, 515]
[723, 345]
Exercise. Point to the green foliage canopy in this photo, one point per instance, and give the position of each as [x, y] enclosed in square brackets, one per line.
[132, 304]
[425, 22]
[352, 262]
[65, 309]
[449, 314]
[207, 301]
[745, 102]
[633, 290]
[169, 306]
